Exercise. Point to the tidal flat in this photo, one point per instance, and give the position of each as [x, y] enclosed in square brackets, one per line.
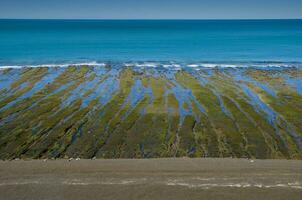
[142, 111]
[163, 178]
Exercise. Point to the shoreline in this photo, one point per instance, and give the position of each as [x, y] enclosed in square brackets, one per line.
[164, 64]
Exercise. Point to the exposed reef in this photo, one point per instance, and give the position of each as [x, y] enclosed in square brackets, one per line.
[138, 111]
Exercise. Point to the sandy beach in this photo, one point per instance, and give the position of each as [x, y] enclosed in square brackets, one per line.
[180, 178]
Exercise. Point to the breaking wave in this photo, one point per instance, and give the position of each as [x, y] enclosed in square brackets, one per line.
[168, 65]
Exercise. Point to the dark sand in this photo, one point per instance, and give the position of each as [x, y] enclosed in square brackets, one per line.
[175, 179]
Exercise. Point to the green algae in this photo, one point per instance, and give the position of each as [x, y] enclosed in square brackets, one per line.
[43, 126]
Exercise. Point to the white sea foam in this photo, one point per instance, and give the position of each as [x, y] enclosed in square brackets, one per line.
[193, 65]
[232, 185]
[53, 65]
[20, 182]
[167, 65]
[11, 67]
[274, 66]
[171, 65]
[92, 182]
[147, 65]
[243, 65]
[213, 65]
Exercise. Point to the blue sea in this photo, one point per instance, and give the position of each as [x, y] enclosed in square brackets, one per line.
[29, 42]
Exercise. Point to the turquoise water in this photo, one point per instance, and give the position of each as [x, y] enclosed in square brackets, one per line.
[227, 41]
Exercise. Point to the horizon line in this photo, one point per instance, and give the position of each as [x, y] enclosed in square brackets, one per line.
[122, 19]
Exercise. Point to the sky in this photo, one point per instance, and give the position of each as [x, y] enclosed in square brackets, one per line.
[150, 9]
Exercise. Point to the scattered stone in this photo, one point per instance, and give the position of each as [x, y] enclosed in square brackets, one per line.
[78, 159]
[70, 159]
[93, 158]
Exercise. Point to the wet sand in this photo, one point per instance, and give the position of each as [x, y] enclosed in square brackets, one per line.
[181, 178]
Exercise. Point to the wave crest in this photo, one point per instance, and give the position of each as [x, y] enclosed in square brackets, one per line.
[166, 65]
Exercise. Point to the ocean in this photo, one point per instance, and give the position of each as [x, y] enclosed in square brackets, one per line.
[31, 42]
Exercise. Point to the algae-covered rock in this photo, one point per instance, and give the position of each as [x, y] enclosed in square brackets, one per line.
[142, 112]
